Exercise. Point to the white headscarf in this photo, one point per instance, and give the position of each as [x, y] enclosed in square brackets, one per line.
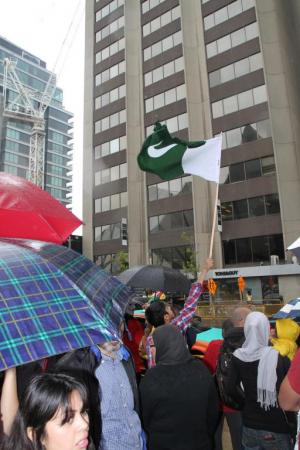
[255, 347]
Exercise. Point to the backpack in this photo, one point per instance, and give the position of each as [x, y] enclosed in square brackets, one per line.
[221, 378]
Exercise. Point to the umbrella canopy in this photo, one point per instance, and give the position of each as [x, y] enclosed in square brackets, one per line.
[290, 310]
[28, 212]
[43, 312]
[295, 248]
[210, 335]
[156, 278]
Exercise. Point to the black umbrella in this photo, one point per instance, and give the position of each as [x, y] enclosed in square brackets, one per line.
[156, 278]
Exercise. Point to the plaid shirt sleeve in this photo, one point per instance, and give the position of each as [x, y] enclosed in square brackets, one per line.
[183, 320]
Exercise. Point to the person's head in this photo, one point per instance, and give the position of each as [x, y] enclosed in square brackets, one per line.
[239, 316]
[287, 329]
[170, 346]
[257, 327]
[111, 347]
[52, 415]
[227, 325]
[159, 313]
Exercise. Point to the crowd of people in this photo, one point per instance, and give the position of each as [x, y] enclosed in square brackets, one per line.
[153, 393]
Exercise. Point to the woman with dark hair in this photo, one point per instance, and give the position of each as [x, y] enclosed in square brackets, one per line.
[52, 416]
[178, 396]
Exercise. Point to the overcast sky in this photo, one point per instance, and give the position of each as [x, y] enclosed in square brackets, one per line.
[40, 27]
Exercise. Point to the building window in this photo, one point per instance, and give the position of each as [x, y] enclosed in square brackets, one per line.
[164, 71]
[110, 121]
[109, 29]
[251, 207]
[161, 21]
[110, 97]
[103, 12]
[246, 133]
[171, 188]
[171, 221]
[247, 170]
[232, 40]
[163, 45]
[253, 250]
[110, 50]
[240, 101]
[111, 174]
[110, 73]
[165, 98]
[174, 257]
[173, 123]
[114, 146]
[149, 4]
[108, 232]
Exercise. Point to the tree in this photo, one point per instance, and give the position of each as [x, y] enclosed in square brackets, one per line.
[120, 261]
[189, 264]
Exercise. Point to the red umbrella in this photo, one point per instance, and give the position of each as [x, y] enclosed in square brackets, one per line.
[28, 212]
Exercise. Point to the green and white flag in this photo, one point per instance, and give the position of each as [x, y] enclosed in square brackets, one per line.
[170, 157]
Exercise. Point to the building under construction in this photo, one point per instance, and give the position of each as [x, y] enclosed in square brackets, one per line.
[15, 133]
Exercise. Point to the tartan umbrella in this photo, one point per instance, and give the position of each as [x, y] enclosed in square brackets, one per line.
[53, 300]
[290, 310]
[28, 212]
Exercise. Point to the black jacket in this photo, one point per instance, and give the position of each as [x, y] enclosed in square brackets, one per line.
[253, 415]
[233, 340]
[180, 407]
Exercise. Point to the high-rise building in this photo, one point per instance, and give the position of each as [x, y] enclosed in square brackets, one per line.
[202, 68]
[15, 134]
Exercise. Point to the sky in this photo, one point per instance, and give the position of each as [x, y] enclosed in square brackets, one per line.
[41, 28]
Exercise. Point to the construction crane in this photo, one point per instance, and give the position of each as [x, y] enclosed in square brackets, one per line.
[28, 105]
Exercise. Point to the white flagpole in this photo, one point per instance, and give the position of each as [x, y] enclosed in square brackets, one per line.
[215, 214]
[214, 222]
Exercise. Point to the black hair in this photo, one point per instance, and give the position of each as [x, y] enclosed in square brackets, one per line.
[155, 313]
[227, 325]
[42, 398]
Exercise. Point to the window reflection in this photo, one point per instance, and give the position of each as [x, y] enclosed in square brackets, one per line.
[251, 207]
[170, 188]
[258, 248]
[176, 220]
[247, 170]
[174, 257]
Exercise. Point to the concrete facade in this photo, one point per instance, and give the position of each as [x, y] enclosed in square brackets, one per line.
[202, 68]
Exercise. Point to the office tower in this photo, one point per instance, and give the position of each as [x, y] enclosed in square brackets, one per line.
[202, 68]
[15, 133]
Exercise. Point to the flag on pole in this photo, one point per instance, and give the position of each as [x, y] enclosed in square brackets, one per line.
[170, 157]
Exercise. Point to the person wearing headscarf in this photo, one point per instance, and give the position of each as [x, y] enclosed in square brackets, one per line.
[260, 369]
[178, 396]
[287, 332]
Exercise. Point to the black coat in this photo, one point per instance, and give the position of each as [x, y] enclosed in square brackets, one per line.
[180, 407]
[253, 415]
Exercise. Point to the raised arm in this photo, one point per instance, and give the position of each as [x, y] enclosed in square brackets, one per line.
[9, 399]
[183, 320]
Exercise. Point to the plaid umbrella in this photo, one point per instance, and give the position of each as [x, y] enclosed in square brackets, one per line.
[53, 300]
[290, 310]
